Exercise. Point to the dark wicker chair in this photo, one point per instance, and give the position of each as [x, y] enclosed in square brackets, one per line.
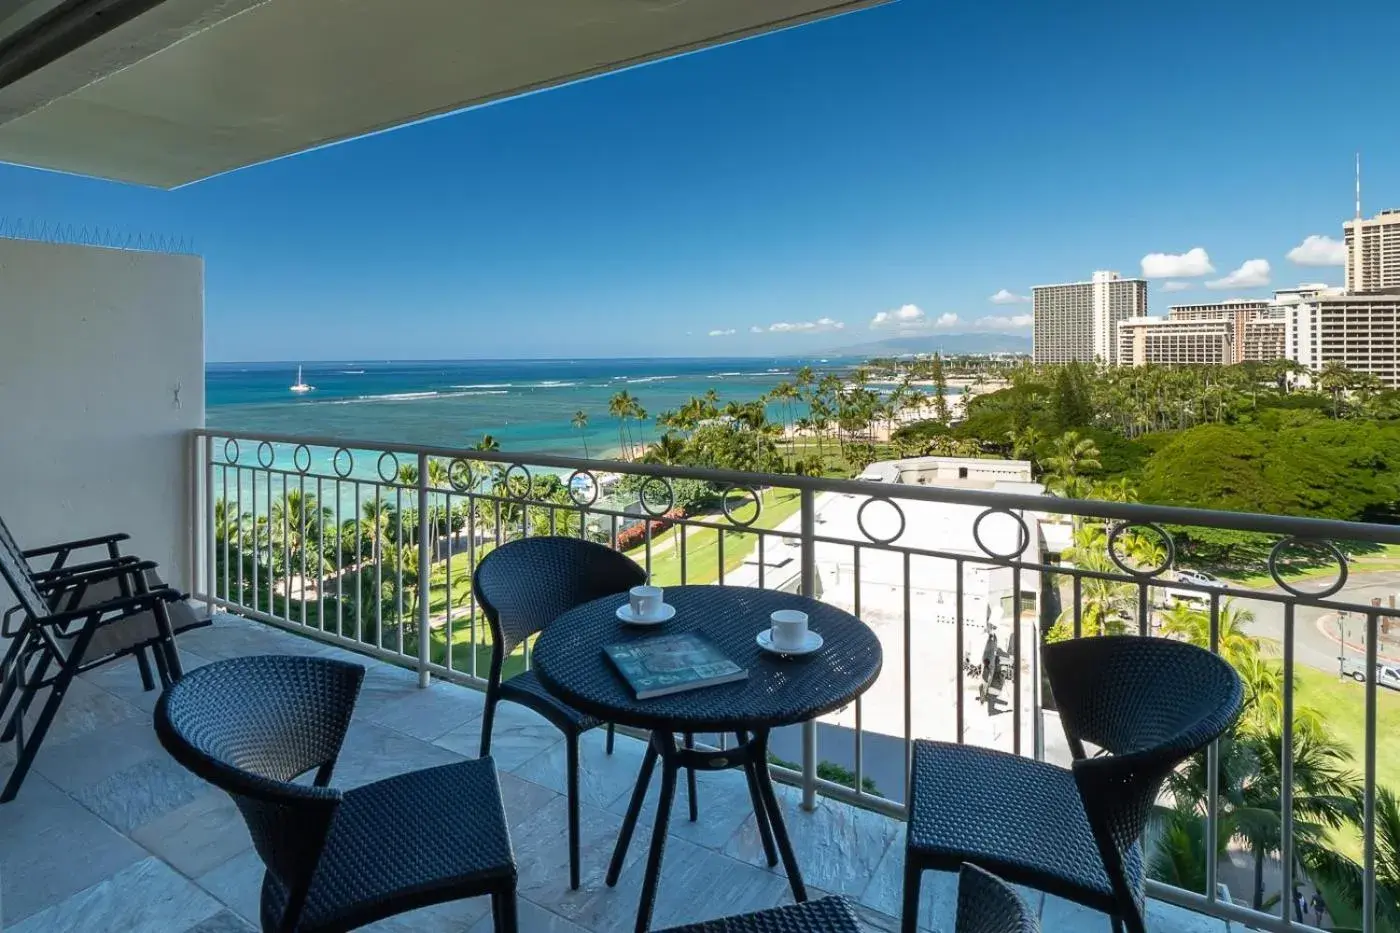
[523, 586]
[336, 860]
[1148, 703]
[71, 620]
[827, 915]
[986, 904]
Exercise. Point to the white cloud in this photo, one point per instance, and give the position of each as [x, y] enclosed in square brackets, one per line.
[755, 329]
[1004, 297]
[1175, 286]
[946, 319]
[998, 322]
[1251, 274]
[1319, 251]
[1188, 265]
[787, 327]
[905, 316]
[729, 332]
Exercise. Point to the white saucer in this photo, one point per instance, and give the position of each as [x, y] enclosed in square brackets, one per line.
[813, 642]
[624, 612]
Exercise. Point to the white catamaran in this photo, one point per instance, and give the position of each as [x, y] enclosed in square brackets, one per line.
[301, 385]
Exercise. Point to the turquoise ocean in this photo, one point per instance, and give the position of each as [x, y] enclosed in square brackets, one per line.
[527, 405]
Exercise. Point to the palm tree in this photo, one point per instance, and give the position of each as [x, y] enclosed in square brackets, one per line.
[622, 406]
[489, 443]
[580, 423]
[1072, 458]
[1236, 645]
[439, 474]
[668, 449]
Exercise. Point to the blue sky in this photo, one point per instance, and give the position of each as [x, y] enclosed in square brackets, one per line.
[916, 156]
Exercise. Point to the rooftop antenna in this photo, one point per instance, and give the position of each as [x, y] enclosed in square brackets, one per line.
[1358, 186]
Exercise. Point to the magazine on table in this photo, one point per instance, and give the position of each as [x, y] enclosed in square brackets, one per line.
[666, 664]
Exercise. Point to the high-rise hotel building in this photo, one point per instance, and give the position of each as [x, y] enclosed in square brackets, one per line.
[1373, 252]
[1078, 322]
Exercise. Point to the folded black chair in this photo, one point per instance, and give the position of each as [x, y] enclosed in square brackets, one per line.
[1147, 703]
[133, 634]
[64, 631]
[336, 860]
[522, 587]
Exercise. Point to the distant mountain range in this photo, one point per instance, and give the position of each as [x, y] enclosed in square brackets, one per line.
[950, 344]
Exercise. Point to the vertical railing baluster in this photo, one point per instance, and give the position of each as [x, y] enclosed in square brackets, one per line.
[424, 590]
[228, 527]
[320, 557]
[1144, 610]
[359, 568]
[1078, 606]
[301, 543]
[1368, 832]
[271, 575]
[681, 542]
[860, 705]
[646, 541]
[761, 561]
[719, 544]
[908, 680]
[961, 649]
[211, 583]
[1286, 757]
[257, 556]
[338, 564]
[399, 619]
[808, 583]
[1213, 776]
[448, 626]
[1016, 658]
[472, 504]
[286, 553]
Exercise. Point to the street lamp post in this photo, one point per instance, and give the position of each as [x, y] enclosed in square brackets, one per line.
[1341, 643]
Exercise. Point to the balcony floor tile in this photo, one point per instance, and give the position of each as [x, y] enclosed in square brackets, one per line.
[162, 851]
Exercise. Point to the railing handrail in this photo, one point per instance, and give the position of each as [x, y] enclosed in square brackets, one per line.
[1287, 526]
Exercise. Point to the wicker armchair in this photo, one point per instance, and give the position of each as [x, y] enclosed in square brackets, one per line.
[523, 586]
[986, 904]
[336, 860]
[1148, 703]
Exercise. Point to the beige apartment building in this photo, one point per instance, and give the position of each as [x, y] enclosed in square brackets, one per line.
[1214, 333]
[1373, 252]
[1078, 321]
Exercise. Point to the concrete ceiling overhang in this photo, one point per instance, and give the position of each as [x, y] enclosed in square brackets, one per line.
[167, 92]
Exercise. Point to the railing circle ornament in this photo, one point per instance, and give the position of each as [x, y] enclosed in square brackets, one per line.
[1023, 534]
[642, 496]
[460, 475]
[877, 539]
[729, 511]
[393, 473]
[349, 463]
[529, 482]
[301, 451]
[582, 481]
[1168, 545]
[1337, 555]
[271, 455]
[231, 451]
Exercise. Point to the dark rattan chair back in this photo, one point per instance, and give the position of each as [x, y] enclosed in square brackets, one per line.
[986, 904]
[1149, 703]
[15, 569]
[249, 726]
[524, 585]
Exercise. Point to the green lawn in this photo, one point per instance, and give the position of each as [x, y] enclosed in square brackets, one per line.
[1386, 557]
[702, 544]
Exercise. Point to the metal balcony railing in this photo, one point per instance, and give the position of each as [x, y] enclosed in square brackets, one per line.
[328, 537]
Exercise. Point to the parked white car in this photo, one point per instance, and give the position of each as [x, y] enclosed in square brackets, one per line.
[1387, 675]
[1194, 578]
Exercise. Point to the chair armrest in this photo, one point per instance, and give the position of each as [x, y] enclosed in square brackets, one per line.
[58, 576]
[75, 545]
[124, 607]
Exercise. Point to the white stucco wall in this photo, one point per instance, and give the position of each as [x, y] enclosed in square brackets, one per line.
[93, 344]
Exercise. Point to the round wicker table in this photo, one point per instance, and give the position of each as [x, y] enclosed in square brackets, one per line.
[779, 691]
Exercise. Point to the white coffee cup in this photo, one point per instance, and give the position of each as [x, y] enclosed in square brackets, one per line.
[645, 601]
[789, 629]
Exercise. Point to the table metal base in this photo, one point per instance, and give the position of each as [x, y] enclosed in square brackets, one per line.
[751, 754]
